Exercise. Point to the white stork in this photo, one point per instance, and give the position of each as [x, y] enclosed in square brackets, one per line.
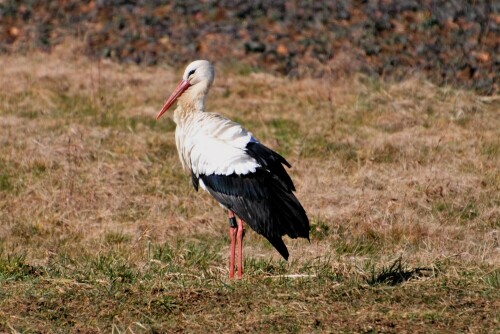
[243, 175]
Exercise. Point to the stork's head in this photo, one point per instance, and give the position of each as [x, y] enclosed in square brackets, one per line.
[194, 86]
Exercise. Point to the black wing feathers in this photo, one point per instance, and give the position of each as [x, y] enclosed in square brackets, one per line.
[271, 161]
[280, 246]
[195, 180]
[246, 186]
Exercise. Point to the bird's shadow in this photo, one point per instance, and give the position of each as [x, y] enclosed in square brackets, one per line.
[397, 273]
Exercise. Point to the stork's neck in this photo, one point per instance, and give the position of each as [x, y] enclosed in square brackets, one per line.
[186, 109]
[191, 102]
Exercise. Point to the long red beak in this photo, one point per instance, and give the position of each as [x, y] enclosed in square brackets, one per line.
[181, 87]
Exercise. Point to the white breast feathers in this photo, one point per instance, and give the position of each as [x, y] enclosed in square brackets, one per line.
[209, 143]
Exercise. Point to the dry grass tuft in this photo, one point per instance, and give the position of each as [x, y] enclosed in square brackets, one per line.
[102, 231]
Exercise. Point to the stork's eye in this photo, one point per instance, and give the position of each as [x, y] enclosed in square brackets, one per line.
[191, 72]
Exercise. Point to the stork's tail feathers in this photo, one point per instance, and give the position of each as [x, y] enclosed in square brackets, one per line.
[280, 246]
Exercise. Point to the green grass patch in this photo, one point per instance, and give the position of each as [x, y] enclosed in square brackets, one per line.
[108, 291]
[357, 246]
[491, 149]
[455, 211]
[320, 147]
[75, 106]
[19, 104]
[106, 114]
[493, 279]
[387, 153]
[469, 212]
[286, 133]
[319, 229]
[164, 125]
[265, 267]
[38, 168]
[239, 68]
[5, 183]
[344, 241]
[14, 267]
[116, 238]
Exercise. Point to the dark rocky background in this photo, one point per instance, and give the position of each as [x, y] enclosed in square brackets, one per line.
[454, 42]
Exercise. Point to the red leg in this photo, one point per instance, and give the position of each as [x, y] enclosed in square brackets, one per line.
[232, 235]
[239, 241]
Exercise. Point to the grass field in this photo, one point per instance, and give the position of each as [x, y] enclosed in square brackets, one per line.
[101, 230]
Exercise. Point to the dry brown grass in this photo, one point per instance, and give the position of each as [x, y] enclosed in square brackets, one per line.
[385, 171]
